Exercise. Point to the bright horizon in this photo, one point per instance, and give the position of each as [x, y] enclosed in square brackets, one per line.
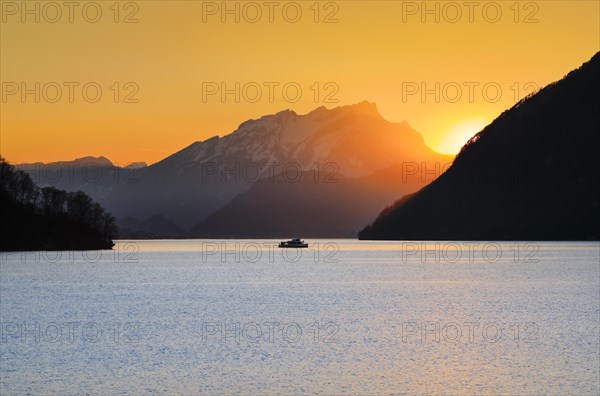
[458, 135]
[378, 51]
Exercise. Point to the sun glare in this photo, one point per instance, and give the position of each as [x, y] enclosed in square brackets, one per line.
[459, 134]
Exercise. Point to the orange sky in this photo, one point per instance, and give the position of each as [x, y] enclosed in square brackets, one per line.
[381, 51]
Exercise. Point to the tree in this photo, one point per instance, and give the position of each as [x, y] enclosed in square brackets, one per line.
[109, 227]
[78, 208]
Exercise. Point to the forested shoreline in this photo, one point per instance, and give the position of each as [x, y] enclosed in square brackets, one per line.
[47, 218]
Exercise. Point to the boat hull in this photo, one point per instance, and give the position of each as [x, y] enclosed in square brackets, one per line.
[303, 245]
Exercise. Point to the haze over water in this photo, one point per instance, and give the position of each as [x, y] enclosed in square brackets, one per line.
[344, 317]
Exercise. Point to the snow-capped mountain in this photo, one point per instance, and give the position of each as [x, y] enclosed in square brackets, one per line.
[345, 142]
[356, 138]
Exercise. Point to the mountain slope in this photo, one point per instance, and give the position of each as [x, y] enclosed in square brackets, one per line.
[530, 175]
[96, 176]
[152, 228]
[315, 206]
[348, 142]
[202, 178]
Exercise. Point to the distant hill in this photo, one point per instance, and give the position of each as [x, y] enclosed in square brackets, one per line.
[151, 228]
[136, 165]
[309, 207]
[96, 176]
[532, 174]
[49, 218]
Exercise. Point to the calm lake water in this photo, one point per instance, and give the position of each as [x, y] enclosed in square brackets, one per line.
[343, 317]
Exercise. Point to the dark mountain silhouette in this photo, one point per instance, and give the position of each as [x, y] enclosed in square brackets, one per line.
[47, 218]
[532, 174]
[96, 176]
[153, 227]
[313, 206]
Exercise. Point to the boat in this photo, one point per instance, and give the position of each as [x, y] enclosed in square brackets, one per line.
[293, 243]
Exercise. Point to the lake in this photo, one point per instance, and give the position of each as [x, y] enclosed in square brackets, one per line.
[342, 317]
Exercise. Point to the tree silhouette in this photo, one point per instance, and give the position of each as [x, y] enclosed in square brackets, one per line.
[18, 190]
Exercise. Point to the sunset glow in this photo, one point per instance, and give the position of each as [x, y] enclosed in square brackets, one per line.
[458, 135]
[158, 67]
[310, 197]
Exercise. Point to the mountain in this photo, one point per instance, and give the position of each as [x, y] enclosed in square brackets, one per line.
[311, 206]
[532, 174]
[96, 176]
[371, 161]
[153, 227]
[89, 161]
[348, 142]
[136, 165]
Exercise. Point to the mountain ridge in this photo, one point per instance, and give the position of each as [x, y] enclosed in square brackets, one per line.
[531, 174]
[353, 140]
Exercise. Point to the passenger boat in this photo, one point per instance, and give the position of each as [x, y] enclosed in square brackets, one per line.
[293, 243]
